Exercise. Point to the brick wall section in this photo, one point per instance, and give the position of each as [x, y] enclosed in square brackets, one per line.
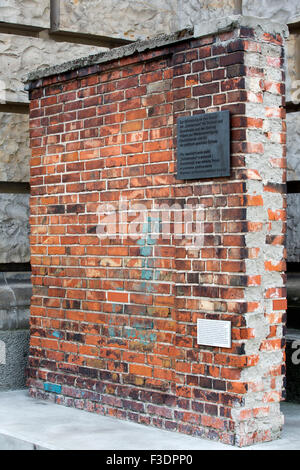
[113, 324]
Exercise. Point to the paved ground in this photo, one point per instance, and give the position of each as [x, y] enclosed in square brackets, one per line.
[26, 423]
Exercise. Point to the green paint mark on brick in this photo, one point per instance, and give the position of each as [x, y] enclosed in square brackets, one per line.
[130, 332]
[151, 241]
[111, 331]
[147, 274]
[142, 326]
[146, 251]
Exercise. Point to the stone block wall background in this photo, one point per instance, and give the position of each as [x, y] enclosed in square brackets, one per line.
[30, 12]
[19, 54]
[114, 321]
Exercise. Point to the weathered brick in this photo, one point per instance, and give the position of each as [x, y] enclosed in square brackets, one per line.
[115, 317]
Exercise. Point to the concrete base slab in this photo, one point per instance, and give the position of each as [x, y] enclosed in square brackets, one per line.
[30, 424]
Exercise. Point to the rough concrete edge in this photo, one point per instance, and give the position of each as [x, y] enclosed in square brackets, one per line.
[293, 21]
[112, 54]
[20, 443]
[215, 26]
[229, 23]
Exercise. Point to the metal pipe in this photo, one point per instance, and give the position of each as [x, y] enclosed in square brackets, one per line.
[238, 7]
[54, 15]
[297, 57]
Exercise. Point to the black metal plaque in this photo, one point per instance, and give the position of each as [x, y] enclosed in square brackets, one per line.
[203, 146]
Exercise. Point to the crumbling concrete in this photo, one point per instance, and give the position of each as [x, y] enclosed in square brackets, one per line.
[198, 31]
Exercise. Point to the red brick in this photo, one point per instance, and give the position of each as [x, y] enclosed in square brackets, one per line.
[126, 307]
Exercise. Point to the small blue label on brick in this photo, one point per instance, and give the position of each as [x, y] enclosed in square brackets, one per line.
[48, 387]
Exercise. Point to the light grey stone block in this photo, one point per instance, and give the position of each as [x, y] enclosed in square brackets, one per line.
[132, 19]
[33, 12]
[14, 147]
[293, 228]
[292, 79]
[191, 12]
[194, 12]
[15, 295]
[14, 228]
[14, 318]
[293, 146]
[19, 55]
[276, 10]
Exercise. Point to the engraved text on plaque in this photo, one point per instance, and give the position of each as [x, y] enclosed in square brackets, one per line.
[203, 146]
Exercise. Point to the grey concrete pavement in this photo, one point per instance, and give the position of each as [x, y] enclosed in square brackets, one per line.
[29, 424]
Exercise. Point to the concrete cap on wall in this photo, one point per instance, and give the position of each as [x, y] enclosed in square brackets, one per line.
[216, 26]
